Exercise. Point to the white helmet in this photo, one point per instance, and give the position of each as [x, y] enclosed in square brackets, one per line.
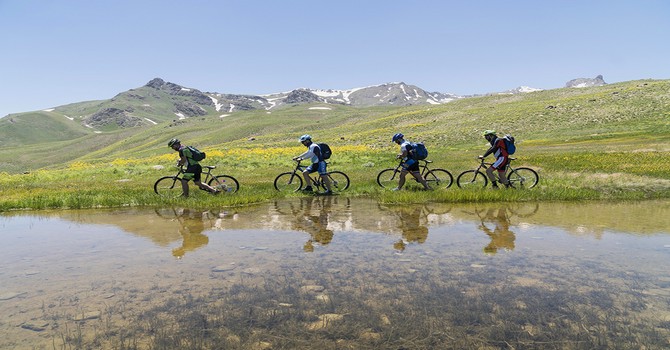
[305, 137]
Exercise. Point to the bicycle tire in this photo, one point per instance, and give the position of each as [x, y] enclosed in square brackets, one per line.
[439, 178]
[288, 182]
[387, 178]
[339, 181]
[168, 186]
[523, 178]
[472, 179]
[225, 184]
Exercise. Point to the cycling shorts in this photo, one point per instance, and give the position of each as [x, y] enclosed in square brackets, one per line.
[410, 165]
[193, 172]
[500, 164]
[320, 167]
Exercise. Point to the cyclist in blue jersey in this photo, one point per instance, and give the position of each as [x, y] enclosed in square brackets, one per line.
[318, 164]
[409, 165]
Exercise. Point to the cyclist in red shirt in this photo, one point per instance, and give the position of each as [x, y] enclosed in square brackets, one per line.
[499, 150]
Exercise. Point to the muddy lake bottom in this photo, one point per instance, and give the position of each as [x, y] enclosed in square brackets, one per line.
[338, 273]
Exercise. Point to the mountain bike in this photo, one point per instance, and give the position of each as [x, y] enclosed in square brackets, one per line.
[292, 181]
[435, 178]
[170, 186]
[521, 177]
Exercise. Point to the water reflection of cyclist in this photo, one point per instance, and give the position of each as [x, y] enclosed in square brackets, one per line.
[316, 225]
[501, 236]
[191, 227]
[411, 227]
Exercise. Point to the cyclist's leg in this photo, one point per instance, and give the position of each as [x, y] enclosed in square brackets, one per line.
[188, 176]
[323, 172]
[197, 175]
[491, 175]
[501, 166]
[410, 166]
[305, 174]
[417, 175]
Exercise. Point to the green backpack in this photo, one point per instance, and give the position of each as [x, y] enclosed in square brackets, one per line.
[196, 154]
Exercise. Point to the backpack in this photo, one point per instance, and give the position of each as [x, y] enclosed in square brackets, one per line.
[509, 144]
[196, 154]
[419, 151]
[326, 152]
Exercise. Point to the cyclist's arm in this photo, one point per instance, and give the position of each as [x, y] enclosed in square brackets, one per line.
[404, 152]
[182, 159]
[307, 155]
[490, 150]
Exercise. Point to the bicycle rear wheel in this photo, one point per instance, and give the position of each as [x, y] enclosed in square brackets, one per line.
[169, 187]
[387, 178]
[288, 182]
[225, 184]
[439, 178]
[339, 181]
[472, 179]
[523, 178]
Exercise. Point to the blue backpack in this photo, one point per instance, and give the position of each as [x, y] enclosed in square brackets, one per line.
[419, 151]
[509, 144]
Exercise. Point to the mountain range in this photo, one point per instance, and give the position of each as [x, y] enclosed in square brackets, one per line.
[159, 101]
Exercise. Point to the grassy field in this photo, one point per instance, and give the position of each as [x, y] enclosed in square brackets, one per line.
[609, 142]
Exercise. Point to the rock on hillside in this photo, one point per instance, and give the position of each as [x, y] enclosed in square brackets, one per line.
[586, 82]
[109, 116]
[196, 96]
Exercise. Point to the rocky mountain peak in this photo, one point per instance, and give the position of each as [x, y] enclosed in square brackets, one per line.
[155, 83]
[586, 82]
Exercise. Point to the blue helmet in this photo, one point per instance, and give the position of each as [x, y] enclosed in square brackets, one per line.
[397, 137]
[305, 137]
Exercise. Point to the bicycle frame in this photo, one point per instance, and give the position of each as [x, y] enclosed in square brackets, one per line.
[520, 177]
[423, 168]
[339, 181]
[222, 183]
[316, 180]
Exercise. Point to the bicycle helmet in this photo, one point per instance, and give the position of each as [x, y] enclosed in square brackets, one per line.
[397, 137]
[305, 137]
[489, 132]
[173, 142]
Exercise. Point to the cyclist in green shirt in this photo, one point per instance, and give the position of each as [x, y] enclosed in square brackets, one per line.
[193, 168]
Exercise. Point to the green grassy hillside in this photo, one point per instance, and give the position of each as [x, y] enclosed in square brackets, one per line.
[608, 142]
[627, 112]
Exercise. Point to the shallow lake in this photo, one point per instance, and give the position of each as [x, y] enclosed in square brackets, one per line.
[338, 273]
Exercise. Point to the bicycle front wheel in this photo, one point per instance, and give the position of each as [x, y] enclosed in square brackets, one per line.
[439, 178]
[523, 178]
[169, 187]
[388, 178]
[288, 182]
[339, 181]
[472, 179]
[225, 184]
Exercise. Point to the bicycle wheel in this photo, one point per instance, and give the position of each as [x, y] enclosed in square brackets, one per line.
[339, 181]
[169, 187]
[472, 179]
[439, 178]
[225, 184]
[388, 178]
[523, 178]
[288, 182]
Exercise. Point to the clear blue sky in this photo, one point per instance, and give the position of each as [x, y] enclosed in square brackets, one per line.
[59, 52]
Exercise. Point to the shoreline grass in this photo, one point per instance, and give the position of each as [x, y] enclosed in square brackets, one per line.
[593, 172]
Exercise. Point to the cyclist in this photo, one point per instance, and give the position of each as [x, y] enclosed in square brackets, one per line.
[409, 164]
[318, 164]
[193, 168]
[499, 150]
